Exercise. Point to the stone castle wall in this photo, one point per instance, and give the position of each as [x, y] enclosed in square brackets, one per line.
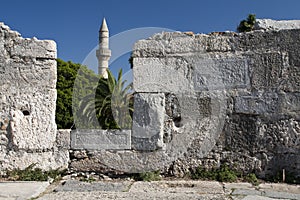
[28, 100]
[237, 94]
[200, 100]
[211, 99]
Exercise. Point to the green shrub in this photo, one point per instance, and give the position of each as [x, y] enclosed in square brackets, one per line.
[204, 174]
[223, 174]
[227, 175]
[88, 180]
[31, 173]
[251, 178]
[147, 176]
[248, 24]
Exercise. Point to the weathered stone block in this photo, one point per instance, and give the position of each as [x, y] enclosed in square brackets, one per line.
[191, 73]
[290, 102]
[52, 159]
[34, 48]
[281, 136]
[167, 43]
[170, 72]
[37, 73]
[269, 24]
[258, 104]
[221, 73]
[176, 43]
[100, 139]
[148, 121]
[32, 115]
[63, 138]
[267, 69]
[291, 80]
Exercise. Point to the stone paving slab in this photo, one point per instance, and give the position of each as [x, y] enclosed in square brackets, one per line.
[281, 195]
[21, 190]
[188, 187]
[129, 189]
[230, 187]
[80, 186]
[185, 190]
[132, 196]
[280, 187]
[246, 192]
[264, 191]
[255, 197]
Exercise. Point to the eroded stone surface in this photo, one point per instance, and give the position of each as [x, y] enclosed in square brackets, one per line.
[100, 139]
[190, 73]
[63, 139]
[269, 24]
[28, 102]
[258, 103]
[147, 127]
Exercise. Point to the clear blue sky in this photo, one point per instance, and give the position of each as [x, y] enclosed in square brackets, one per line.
[74, 24]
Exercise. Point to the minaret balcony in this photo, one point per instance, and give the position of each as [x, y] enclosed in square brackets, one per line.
[103, 52]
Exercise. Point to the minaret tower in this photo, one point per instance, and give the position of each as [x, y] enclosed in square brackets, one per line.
[103, 53]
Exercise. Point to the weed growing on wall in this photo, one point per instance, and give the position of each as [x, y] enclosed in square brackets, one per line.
[248, 24]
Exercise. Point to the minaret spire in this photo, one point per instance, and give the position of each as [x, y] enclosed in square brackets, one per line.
[103, 53]
[104, 26]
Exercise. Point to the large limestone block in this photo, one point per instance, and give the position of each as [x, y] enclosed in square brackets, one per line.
[53, 159]
[43, 49]
[290, 104]
[261, 103]
[290, 81]
[192, 73]
[267, 69]
[32, 117]
[33, 73]
[269, 24]
[63, 139]
[177, 43]
[161, 75]
[94, 139]
[31, 132]
[148, 121]
[16, 46]
[168, 43]
[223, 72]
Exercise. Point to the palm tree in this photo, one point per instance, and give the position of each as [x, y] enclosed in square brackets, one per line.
[112, 105]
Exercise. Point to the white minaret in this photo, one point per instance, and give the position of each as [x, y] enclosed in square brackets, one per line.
[103, 53]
